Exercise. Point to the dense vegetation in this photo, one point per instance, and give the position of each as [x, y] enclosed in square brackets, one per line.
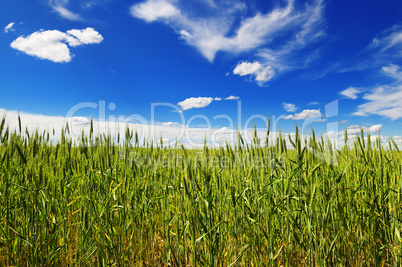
[93, 202]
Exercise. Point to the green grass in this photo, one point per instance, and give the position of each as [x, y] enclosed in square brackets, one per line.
[97, 203]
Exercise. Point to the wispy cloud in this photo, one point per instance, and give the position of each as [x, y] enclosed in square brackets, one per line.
[54, 45]
[220, 30]
[86, 5]
[380, 56]
[307, 113]
[388, 39]
[60, 7]
[310, 29]
[384, 100]
[289, 107]
[392, 71]
[9, 27]
[385, 49]
[351, 92]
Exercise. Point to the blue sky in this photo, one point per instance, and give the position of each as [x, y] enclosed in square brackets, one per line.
[287, 58]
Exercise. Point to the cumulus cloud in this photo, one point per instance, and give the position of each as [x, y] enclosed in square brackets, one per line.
[201, 102]
[289, 107]
[45, 45]
[195, 102]
[307, 113]
[153, 10]
[9, 27]
[86, 36]
[220, 29]
[259, 72]
[374, 128]
[351, 92]
[356, 129]
[54, 45]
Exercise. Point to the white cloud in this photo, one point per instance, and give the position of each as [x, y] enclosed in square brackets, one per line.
[219, 30]
[259, 72]
[195, 102]
[289, 107]
[9, 27]
[53, 44]
[390, 38]
[45, 45]
[185, 34]
[90, 4]
[153, 10]
[171, 132]
[351, 92]
[60, 7]
[307, 113]
[385, 49]
[392, 71]
[356, 129]
[310, 29]
[385, 100]
[86, 36]
[201, 102]
[170, 124]
[375, 128]
[247, 68]
[65, 13]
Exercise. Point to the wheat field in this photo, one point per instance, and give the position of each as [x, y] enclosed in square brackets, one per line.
[101, 201]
